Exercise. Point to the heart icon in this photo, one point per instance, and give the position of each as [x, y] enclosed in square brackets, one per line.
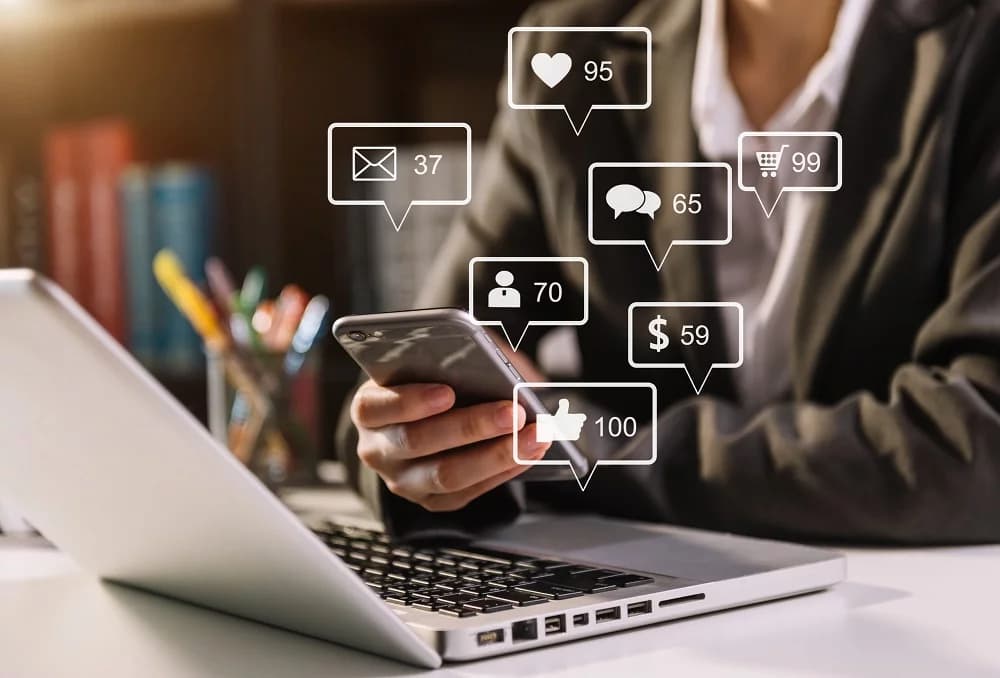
[551, 68]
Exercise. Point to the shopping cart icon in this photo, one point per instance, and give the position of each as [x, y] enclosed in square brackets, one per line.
[770, 161]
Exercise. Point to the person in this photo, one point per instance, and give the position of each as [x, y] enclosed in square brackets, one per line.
[868, 405]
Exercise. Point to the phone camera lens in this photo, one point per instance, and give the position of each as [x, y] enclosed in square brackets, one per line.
[357, 336]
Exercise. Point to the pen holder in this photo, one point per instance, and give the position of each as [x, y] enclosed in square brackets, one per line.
[267, 419]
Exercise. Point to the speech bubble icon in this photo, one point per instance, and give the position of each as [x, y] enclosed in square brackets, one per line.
[515, 293]
[672, 334]
[361, 157]
[772, 163]
[651, 203]
[624, 198]
[605, 228]
[575, 77]
[619, 439]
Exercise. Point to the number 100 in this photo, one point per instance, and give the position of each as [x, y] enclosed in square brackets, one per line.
[617, 426]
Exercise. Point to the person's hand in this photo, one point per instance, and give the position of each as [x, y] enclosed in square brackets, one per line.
[435, 455]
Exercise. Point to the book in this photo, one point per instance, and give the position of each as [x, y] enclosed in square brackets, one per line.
[183, 212]
[27, 220]
[141, 244]
[6, 209]
[107, 148]
[66, 210]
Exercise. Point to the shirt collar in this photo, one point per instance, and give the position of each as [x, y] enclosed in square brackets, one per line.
[716, 109]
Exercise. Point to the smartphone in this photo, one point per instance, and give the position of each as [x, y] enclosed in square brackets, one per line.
[446, 346]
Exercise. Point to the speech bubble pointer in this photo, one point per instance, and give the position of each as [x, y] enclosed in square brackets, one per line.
[698, 378]
[578, 115]
[514, 331]
[398, 208]
[584, 481]
[768, 211]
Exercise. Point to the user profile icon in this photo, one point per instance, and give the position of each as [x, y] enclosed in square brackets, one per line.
[504, 295]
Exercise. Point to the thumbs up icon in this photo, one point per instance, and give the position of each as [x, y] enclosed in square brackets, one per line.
[561, 426]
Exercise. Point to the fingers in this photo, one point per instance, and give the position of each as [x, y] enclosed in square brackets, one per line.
[375, 406]
[462, 475]
[448, 431]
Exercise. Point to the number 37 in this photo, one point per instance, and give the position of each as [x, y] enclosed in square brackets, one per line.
[426, 163]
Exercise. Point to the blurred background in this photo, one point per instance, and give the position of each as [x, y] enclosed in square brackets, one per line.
[200, 125]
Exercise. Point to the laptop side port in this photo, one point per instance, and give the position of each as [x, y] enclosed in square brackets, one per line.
[642, 607]
[524, 630]
[581, 619]
[608, 614]
[491, 637]
[555, 624]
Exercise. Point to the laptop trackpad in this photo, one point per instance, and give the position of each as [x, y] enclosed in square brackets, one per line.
[679, 553]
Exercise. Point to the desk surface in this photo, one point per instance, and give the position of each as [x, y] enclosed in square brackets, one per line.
[919, 612]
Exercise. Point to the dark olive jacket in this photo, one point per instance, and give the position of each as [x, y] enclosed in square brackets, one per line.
[891, 432]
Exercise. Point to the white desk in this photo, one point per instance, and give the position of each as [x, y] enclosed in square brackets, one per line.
[905, 613]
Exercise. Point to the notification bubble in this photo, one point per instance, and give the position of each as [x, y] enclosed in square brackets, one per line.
[367, 165]
[576, 78]
[771, 163]
[623, 198]
[515, 293]
[627, 439]
[667, 334]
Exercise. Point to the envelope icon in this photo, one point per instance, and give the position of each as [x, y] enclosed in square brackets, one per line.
[373, 163]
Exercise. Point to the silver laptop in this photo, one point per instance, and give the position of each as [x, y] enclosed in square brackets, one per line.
[115, 472]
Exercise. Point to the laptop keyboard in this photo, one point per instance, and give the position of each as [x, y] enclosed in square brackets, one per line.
[461, 580]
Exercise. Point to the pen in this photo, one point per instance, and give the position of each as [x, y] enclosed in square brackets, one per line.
[253, 288]
[189, 299]
[311, 327]
[221, 284]
[285, 320]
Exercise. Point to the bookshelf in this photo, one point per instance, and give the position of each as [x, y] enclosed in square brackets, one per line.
[248, 87]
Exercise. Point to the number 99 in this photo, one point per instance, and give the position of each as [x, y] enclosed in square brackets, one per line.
[802, 162]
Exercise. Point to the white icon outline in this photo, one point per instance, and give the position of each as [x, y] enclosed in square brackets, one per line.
[790, 189]
[359, 156]
[404, 125]
[682, 365]
[595, 107]
[644, 243]
[532, 323]
[584, 482]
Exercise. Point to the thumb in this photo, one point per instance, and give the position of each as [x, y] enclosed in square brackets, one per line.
[563, 406]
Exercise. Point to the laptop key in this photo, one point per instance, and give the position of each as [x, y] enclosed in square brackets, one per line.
[457, 611]
[426, 605]
[627, 580]
[550, 590]
[521, 598]
[581, 582]
[488, 605]
[399, 600]
[458, 598]
[479, 589]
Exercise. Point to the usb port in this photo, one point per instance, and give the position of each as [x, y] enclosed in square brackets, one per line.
[524, 630]
[644, 607]
[555, 624]
[581, 619]
[489, 637]
[608, 614]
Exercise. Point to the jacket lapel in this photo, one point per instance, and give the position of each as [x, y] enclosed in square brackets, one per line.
[664, 133]
[890, 92]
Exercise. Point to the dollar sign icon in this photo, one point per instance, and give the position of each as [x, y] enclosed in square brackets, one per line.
[656, 329]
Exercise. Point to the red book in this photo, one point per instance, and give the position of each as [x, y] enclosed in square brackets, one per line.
[109, 149]
[64, 201]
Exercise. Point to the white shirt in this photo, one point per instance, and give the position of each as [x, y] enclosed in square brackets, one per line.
[758, 266]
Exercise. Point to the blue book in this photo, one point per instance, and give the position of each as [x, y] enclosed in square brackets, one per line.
[140, 246]
[183, 209]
